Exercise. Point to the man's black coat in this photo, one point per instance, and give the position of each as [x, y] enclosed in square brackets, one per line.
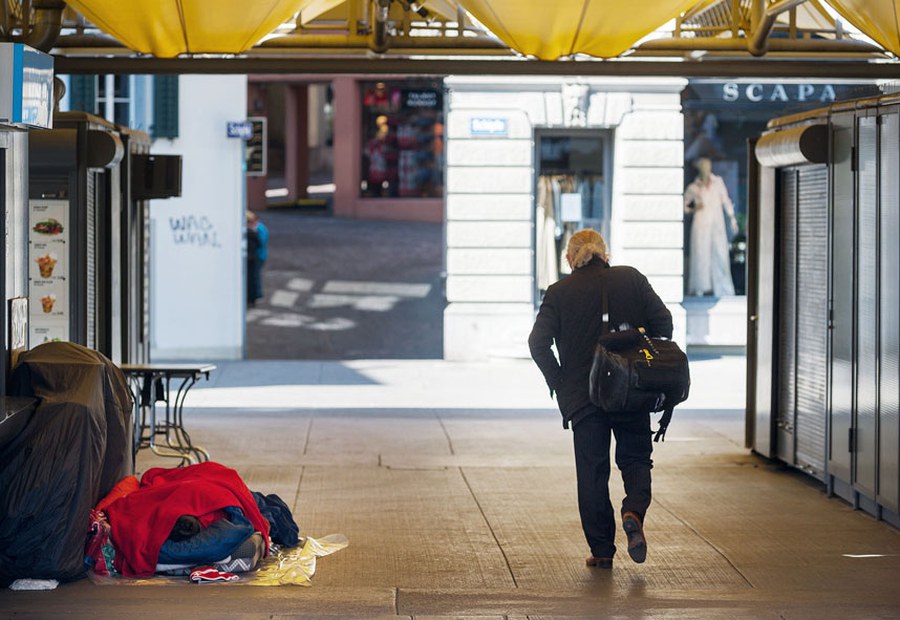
[570, 315]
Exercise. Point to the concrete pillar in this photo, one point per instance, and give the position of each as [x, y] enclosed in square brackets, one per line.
[296, 139]
[347, 141]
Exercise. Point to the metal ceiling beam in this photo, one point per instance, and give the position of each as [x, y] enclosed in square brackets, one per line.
[759, 42]
[799, 46]
[732, 68]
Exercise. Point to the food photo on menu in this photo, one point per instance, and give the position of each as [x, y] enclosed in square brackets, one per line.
[46, 264]
[47, 302]
[50, 226]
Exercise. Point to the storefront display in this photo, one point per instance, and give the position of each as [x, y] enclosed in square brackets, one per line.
[403, 136]
[719, 117]
[572, 194]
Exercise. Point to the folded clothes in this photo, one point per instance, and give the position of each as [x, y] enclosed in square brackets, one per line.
[210, 544]
[283, 530]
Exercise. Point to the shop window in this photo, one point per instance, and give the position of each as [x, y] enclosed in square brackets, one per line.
[120, 99]
[403, 139]
[573, 192]
[719, 117]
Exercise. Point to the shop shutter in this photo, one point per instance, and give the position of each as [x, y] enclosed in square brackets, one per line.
[83, 93]
[165, 106]
[867, 308]
[787, 314]
[811, 294]
[90, 310]
[889, 375]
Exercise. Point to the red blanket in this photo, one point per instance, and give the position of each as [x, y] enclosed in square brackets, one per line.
[142, 520]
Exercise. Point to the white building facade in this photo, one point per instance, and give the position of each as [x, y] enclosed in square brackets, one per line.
[198, 295]
[503, 138]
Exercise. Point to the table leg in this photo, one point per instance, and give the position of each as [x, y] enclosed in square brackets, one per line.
[200, 454]
[166, 450]
[150, 387]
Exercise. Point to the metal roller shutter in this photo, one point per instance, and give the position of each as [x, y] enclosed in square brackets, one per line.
[889, 375]
[867, 308]
[787, 312]
[812, 319]
[90, 311]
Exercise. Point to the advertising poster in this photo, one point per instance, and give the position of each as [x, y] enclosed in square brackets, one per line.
[48, 270]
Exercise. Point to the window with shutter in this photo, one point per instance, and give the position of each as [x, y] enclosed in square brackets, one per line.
[165, 106]
[83, 93]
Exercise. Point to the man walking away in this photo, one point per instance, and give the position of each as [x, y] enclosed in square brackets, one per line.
[570, 316]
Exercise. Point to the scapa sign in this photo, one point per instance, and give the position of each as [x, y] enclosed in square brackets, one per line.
[734, 92]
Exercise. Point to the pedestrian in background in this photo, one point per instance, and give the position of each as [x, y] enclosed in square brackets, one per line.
[256, 246]
[570, 317]
[262, 252]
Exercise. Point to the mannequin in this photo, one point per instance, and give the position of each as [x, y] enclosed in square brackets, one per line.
[707, 199]
[381, 151]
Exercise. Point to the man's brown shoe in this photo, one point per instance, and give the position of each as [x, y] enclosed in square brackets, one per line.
[634, 530]
[599, 562]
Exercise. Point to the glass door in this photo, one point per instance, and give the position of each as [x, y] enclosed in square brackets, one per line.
[574, 191]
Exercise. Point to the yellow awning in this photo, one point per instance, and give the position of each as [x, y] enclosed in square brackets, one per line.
[343, 10]
[538, 28]
[878, 20]
[550, 30]
[167, 28]
[315, 9]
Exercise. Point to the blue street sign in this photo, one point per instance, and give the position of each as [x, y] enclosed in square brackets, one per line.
[240, 129]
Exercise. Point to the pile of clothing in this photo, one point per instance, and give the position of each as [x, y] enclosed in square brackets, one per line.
[70, 444]
[199, 520]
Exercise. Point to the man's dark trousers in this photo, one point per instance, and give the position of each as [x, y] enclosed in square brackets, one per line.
[634, 445]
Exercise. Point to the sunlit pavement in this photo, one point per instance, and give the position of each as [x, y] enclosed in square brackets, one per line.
[348, 289]
[455, 486]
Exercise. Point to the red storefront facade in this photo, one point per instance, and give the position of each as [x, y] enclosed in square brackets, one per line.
[372, 147]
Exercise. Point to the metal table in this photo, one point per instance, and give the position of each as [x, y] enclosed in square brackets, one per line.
[153, 383]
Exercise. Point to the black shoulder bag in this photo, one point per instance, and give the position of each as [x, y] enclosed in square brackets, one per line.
[632, 372]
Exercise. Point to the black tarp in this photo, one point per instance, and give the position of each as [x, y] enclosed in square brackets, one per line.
[75, 447]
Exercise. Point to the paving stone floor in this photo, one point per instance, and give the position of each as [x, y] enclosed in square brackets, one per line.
[454, 484]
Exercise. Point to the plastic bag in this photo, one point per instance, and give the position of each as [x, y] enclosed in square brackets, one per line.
[297, 566]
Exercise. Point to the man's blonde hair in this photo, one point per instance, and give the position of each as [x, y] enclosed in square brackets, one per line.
[584, 246]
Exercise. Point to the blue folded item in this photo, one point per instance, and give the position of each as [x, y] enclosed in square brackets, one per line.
[211, 544]
[283, 530]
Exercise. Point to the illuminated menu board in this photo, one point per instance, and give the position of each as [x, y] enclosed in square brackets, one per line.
[48, 270]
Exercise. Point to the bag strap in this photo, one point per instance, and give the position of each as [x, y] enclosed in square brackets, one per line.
[664, 423]
[604, 305]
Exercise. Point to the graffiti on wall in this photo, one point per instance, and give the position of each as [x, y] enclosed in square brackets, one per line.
[194, 230]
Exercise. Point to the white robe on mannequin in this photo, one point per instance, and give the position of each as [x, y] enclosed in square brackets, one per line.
[710, 264]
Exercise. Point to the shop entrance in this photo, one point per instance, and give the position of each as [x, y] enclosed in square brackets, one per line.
[574, 185]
